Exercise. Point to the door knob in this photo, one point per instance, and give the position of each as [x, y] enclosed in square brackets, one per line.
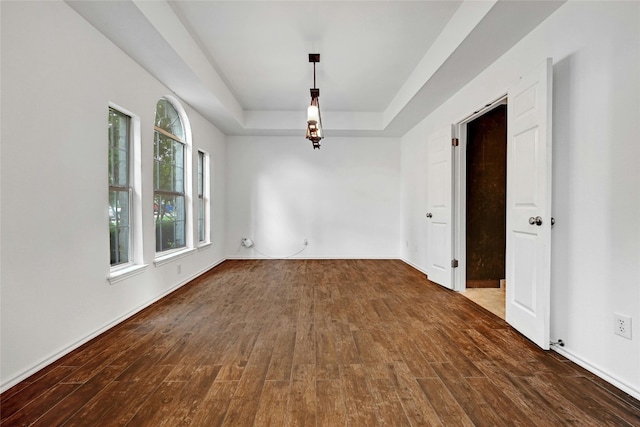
[537, 221]
[429, 215]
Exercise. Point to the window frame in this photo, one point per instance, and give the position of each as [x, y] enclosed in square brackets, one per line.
[167, 255]
[135, 264]
[203, 193]
[121, 189]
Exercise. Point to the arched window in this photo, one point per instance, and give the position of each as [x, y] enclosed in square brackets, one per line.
[170, 178]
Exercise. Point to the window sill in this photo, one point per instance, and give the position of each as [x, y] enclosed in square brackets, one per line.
[204, 246]
[126, 272]
[166, 258]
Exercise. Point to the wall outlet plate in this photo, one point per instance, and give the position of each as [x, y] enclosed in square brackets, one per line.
[622, 325]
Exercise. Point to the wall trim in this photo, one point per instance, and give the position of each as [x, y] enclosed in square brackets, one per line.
[420, 269]
[59, 354]
[599, 372]
[239, 257]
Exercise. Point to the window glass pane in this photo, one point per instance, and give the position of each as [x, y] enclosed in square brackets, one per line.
[200, 219]
[123, 208]
[118, 148]
[178, 150]
[169, 212]
[201, 223]
[179, 215]
[119, 226]
[200, 172]
[121, 168]
[119, 200]
[167, 118]
[164, 225]
[164, 163]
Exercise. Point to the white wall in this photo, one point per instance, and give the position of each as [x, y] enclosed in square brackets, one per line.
[58, 76]
[596, 185]
[344, 198]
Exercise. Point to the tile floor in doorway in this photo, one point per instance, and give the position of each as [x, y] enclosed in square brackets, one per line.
[492, 299]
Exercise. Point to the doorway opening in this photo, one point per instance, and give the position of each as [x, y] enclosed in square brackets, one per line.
[483, 161]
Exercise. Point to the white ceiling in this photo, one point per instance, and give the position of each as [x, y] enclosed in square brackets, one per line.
[368, 49]
[384, 64]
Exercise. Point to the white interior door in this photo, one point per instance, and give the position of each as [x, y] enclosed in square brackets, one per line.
[529, 205]
[439, 209]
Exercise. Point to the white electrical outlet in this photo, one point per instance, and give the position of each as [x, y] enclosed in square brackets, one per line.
[622, 325]
[179, 268]
[305, 241]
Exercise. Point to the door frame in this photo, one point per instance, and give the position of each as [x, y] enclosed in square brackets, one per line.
[459, 187]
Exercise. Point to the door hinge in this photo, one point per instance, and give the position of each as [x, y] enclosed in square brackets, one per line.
[454, 263]
[455, 142]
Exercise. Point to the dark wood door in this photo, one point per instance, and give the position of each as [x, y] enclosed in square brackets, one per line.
[486, 198]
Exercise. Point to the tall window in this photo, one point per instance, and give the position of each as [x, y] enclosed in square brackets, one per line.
[119, 187]
[203, 197]
[169, 204]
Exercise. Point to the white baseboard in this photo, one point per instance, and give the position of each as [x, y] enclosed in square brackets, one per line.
[627, 388]
[420, 269]
[241, 257]
[61, 353]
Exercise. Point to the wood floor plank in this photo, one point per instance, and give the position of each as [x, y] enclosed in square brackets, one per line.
[33, 391]
[241, 412]
[445, 405]
[387, 403]
[508, 412]
[417, 406]
[429, 350]
[358, 399]
[252, 381]
[610, 403]
[326, 355]
[345, 345]
[414, 358]
[31, 412]
[62, 411]
[591, 405]
[471, 401]
[160, 404]
[302, 398]
[272, 409]
[191, 397]
[110, 339]
[331, 409]
[317, 343]
[563, 406]
[214, 407]
[449, 347]
[305, 348]
[504, 357]
[119, 401]
[521, 397]
[282, 358]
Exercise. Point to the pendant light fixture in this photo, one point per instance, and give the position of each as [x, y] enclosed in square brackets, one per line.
[314, 119]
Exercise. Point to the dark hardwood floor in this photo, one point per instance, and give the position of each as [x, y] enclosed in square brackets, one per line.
[319, 343]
